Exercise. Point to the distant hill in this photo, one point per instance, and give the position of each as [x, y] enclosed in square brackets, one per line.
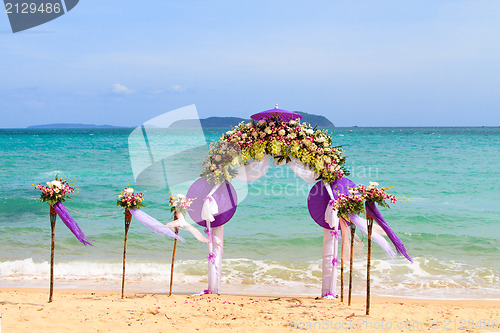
[72, 126]
[220, 122]
[210, 122]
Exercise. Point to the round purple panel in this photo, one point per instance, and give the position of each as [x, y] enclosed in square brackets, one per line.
[318, 198]
[225, 196]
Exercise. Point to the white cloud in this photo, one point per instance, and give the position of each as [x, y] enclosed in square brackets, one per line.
[177, 88]
[121, 89]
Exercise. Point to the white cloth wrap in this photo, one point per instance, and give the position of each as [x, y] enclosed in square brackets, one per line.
[215, 242]
[215, 269]
[330, 251]
[302, 171]
[253, 170]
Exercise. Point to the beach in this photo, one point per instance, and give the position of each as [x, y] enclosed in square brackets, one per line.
[272, 247]
[27, 310]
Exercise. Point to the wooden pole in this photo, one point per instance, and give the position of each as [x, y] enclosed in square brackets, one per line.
[53, 216]
[342, 273]
[368, 264]
[173, 260]
[128, 219]
[353, 231]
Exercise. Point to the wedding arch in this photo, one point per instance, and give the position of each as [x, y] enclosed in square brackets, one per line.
[244, 154]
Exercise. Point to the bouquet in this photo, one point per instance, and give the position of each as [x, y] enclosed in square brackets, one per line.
[180, 204]
[56, 191]
[354, 202]
[130, 200]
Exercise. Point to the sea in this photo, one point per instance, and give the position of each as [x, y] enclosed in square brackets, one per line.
[449, 221]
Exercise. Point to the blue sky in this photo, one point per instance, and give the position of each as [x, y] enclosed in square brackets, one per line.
[366, 63]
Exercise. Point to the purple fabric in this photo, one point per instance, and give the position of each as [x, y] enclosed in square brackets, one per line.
[225, 196]
[372, 210]
[379, 239]
[318, 199]
[154, 224]
[70, 223]
[282, 114]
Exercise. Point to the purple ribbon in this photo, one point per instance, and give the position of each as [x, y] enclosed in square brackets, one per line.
[335, 233]
[211, 258]
[70, 223]
[372, 210]
[207, 291]
[329, 294]
[335, 261]
[209, 235]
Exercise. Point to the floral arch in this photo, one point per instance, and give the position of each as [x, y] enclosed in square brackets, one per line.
[244, 153]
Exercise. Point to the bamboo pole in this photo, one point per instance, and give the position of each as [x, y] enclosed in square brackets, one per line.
[173, 257]
[53, 216]
[368, 264]
[353, 231]
[342, 273]
[128, 219]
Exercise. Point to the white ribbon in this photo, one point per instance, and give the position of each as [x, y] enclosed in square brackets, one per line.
[330, 249]
[210, 207]
[181, 223]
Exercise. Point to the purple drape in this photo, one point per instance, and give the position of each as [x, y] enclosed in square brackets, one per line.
[70, 223]
[372, 210]
[154, 224]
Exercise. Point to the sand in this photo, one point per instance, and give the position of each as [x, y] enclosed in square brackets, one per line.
[27, 310]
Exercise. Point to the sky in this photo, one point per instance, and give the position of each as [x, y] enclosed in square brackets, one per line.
[364, 63]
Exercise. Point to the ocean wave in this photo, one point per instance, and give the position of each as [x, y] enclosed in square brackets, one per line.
[425, 278]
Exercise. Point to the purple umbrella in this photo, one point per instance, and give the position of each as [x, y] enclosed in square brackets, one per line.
[276, 113]
[225, 196]
[318, 199]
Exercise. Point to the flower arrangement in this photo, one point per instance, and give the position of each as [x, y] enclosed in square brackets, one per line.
[282, 140]
[377, 195]
[130, 200]
[354, 202]
[56, 191]
[180, 204]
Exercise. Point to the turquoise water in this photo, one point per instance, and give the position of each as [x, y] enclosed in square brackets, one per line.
[450, 223]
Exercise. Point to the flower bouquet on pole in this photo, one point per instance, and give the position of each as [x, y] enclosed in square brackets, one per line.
[132, 202]
[362, 199]
[55, 193]
[179, 205]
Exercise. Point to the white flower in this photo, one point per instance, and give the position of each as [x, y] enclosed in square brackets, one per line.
[373, 185]
[255, 134]
[309, 131]
[282, 132]
[218, 158]
[262, 122]
[244, 135]
[128, 191]
[292, 122]
[55, 184]
[352, 191]
[181, 196]
[268, 130]
[292, 135]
